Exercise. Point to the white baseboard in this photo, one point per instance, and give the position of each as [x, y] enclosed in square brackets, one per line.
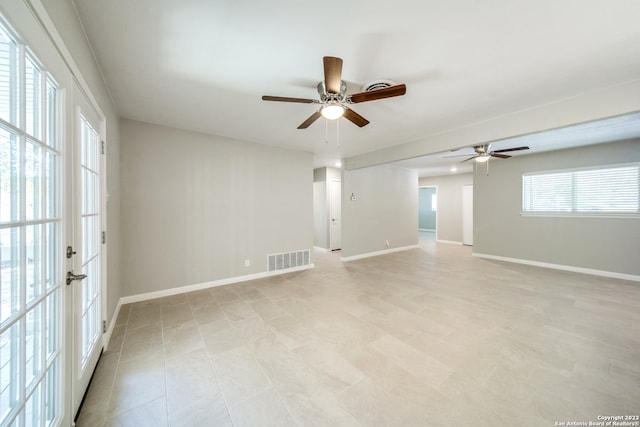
[377, 253]
[321, 250]
[427, 229]
[602, 273]
[449, 242]
[190, 288]
[106, 337]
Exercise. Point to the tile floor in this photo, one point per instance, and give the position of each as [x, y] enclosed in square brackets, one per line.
[426, 337]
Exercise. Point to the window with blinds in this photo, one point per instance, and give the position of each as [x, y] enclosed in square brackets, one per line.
[610, 190]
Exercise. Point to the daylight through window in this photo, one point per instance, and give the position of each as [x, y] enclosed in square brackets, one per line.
[611, 190]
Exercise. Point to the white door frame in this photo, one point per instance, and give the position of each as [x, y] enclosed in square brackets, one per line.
[335, 215]
[467, 215]
[436, 188]
[77, 378]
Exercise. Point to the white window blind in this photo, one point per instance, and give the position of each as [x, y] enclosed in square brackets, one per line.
[610, 190]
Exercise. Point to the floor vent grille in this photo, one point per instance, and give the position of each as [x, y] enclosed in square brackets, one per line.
[288, 260]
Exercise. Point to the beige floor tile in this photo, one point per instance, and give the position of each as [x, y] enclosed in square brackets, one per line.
[200, 414]
[266, 309]
[224, 340]
[224, 294]
[207, 313]
[176, 314]
[317, 406]
[117, 338]
[373, 405]
[328, 361]
[291, 331]
[101, 384]
[339, 327]
[152, 414]
[240, 375]
[420, 364]
[214, 327]
[237, 310]
[181, 338]
[136, 383]
[199, 298]
[426, 337]
[191, 383]
[250, 292]
[144, 314]
[264, 410]
[123, 315]
[142, 342]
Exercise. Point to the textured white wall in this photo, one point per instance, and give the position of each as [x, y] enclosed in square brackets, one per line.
[606, 244]
[386, 209]
[196, 206]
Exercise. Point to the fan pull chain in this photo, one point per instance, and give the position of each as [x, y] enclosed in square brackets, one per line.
[326, 131]
[338, 133]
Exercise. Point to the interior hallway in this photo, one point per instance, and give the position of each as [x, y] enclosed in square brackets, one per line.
[425, 337]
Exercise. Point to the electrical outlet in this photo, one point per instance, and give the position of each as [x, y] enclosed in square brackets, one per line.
[247, 263]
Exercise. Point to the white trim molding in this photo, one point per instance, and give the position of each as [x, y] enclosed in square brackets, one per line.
[593, 272]
[449, 242]
[106, 337]
[190, 288]
[321, 250]
[377, 253]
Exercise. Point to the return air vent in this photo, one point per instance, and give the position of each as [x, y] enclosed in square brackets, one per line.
[288, 260]
[377, 84]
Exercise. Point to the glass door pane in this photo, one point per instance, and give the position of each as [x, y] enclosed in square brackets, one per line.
[87, 238]
[90, 299]
[30, 241]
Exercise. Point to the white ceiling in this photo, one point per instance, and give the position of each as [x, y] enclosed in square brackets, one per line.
[203, 65]
[605, 130]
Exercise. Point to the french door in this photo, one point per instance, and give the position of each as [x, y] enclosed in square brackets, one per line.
[85, 252]
[32, 223]
[51, 253]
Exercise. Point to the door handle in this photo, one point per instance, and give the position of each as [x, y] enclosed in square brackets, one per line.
[71, 277]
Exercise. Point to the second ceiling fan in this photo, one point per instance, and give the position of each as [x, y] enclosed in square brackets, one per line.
[334, 100]
[484, 153]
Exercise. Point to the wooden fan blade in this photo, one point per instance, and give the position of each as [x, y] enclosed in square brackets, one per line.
[457, 155]
[502, 156]
[286, 99]
[388, 92]
[355, 118]
[332, 73]
[466, 160]
[312, 118]
[510, 149]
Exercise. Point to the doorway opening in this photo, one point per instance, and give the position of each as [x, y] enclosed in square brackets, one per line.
[427, 213]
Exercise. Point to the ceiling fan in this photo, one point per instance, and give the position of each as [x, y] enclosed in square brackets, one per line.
[484, 153]
[334, 100]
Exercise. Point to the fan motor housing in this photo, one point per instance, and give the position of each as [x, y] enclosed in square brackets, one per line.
[322, 91]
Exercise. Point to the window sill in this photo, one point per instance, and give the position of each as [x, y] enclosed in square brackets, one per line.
[578, 215]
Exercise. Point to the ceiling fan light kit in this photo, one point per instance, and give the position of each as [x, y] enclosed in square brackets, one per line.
[332, 111]
[484, 153]
[334, 100]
